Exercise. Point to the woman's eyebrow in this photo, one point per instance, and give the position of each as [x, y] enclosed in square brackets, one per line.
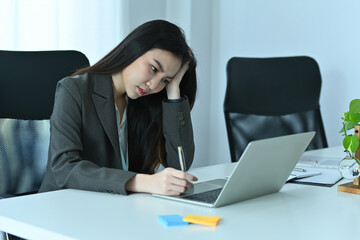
[161, 67]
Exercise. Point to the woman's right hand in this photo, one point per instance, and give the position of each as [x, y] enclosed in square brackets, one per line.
[167, 182]
[171, 181]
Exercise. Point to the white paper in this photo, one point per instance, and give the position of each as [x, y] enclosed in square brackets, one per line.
[295, 174]
[328, 167]
[327, 177]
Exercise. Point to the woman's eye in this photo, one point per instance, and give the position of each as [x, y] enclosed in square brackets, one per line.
[165, 81]
[154, 69]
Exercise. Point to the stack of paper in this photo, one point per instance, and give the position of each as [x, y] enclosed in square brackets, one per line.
[177, 220]
[203, 220]
[172, 220]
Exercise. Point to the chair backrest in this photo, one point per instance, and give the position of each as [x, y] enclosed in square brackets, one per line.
[27, 89]
[269, 97]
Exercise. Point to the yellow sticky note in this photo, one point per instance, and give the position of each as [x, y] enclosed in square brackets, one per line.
[203, 220]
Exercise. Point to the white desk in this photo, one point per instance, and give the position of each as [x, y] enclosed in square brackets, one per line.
[296, 212]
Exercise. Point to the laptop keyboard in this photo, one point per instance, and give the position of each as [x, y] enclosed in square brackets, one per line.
[208, 197]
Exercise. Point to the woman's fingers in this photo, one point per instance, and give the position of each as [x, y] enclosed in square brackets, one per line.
[182, 175]
[181, 182]
[176, 181]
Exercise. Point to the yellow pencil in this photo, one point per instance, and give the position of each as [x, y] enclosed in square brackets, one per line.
[181, 158]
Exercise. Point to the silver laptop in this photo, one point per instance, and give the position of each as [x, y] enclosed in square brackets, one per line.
[262, 169]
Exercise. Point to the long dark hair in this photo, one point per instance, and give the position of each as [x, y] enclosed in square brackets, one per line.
[146, 143]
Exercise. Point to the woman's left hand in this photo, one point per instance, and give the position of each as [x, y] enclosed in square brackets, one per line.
[173, 87]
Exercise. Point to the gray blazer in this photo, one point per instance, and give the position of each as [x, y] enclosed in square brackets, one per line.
[84, 145]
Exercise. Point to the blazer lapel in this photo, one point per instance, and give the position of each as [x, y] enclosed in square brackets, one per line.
[105, 107]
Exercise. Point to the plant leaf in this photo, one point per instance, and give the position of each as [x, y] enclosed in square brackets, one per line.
[342, 129]
[346, 142]
[351, 143]
[348, 126]
[350, 117]
[354, 106]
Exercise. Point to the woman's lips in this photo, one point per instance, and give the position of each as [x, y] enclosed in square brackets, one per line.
[141, 91]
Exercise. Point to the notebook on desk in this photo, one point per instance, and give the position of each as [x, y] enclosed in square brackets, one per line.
[263, 168]
[328, 167]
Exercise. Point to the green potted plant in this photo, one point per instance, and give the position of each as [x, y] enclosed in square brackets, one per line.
[348, 168]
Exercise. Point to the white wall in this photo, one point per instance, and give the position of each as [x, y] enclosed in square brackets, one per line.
[326, 30]
[93, 27]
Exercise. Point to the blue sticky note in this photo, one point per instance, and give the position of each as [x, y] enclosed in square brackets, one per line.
[171, 220]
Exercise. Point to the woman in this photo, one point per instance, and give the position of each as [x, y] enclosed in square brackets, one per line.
[114, 123]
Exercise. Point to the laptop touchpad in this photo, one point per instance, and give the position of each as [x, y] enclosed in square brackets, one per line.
[205, 186]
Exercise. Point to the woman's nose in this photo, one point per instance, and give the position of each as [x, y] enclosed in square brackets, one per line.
[153, 83]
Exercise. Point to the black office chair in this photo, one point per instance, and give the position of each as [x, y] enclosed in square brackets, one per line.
[27, 89]
[269, 97]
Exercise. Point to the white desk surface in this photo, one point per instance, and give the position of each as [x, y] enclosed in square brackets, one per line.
[296, 212]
